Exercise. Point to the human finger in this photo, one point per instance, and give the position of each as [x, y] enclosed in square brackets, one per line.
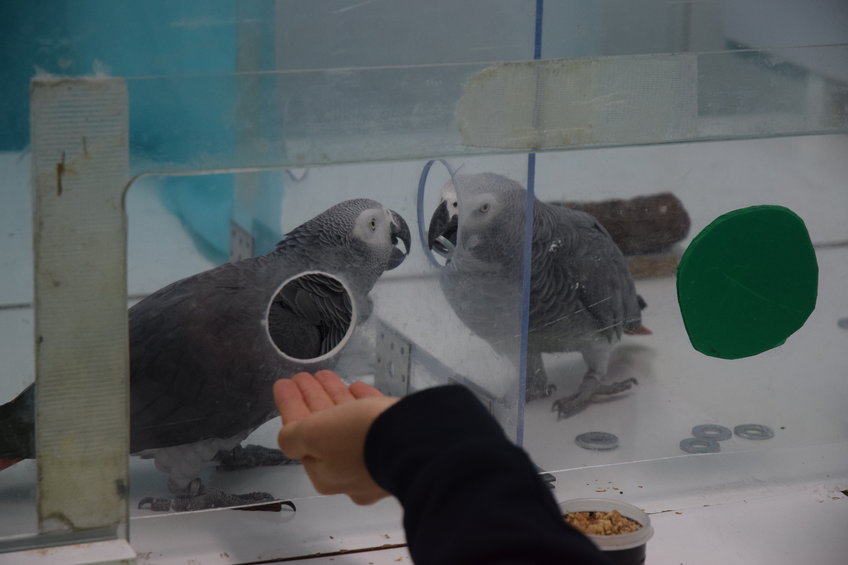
[290, 401]
[313, 392]
[334, 387]
[291, 442]
[362, 390]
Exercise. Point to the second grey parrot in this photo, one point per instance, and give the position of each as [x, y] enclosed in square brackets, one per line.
[582, 297]
[205, 350]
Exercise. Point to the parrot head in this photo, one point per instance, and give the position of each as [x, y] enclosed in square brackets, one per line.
[477, 217]
[378, 226]
[357, 236]
[376, 232]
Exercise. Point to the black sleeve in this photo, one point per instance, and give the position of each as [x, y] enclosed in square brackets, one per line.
[470, 496]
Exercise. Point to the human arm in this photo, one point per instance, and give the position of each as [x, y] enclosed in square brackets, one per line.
[470, 496]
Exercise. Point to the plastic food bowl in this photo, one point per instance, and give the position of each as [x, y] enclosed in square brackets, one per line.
[624, 549]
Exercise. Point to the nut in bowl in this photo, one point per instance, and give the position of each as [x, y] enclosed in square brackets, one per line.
[602, 523]
[619, 529]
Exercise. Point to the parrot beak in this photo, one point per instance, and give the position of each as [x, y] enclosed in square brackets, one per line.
[441, 236]
[400, 231]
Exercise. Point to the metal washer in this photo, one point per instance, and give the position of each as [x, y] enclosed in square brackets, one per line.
[699, 445]
[599, 441]
[712, 431]
[753, 431]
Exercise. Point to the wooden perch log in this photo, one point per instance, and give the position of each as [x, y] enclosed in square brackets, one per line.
[645, 224]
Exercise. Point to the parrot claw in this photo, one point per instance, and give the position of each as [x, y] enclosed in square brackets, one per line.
[208, 499]
[537, 382]
[155, 504]
[615, 388]
[535, 392]
[217, 499]
[194, 496]
[589, 389]
[250, 456]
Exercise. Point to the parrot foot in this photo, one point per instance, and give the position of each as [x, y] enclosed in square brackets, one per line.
[155, 504]
[208, 499]
[535, 392]
[250, 456]
[616, 387]
[589, 389]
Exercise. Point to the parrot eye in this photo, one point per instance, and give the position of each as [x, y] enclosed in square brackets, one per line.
[485, 207]
[455, 204]
[373, 224]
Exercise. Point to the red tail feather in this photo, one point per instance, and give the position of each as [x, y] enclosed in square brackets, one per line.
[8, 463]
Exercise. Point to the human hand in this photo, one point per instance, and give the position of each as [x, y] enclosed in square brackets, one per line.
[325, 424]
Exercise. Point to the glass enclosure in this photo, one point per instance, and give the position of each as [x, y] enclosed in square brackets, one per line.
[245, 120]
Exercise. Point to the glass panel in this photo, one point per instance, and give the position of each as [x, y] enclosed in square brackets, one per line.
[354, 99]
[17, 483]
[657, 199]
[395, 346]
[322, 117]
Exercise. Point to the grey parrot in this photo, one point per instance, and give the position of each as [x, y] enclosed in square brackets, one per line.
[582, 297]
[205, 350]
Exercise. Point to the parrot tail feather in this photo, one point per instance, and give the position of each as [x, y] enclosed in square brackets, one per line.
[641, 330]
[8, 463]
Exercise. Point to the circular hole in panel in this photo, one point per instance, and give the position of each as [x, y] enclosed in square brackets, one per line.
[311, 317]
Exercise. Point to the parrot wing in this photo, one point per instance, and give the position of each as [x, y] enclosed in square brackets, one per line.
[199, 353]
[580, 282]
[318, 307]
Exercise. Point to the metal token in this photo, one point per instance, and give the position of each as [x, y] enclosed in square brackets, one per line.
[599, 441]
[712, 431]
[753, 431]
[699, 445]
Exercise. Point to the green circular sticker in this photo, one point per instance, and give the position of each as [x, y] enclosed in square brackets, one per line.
[747, 282]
